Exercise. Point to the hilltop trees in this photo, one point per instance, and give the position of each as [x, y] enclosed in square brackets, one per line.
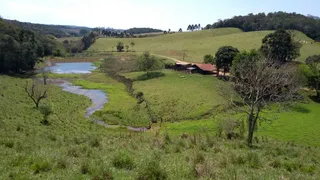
[272, 21]
[259, 83]
[280, 47]
[194, 27]
[224, 58]
[180, 30]
[314, 79]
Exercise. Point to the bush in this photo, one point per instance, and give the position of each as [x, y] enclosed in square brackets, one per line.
[40, 166]
[150, 75]
[152, 171]
[123, 161]
[120, 46]
[254, 160]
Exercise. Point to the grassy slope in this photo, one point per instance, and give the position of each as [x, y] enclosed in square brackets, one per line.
[121, 108]
[197, 44]
[173, 97]
[73, 148]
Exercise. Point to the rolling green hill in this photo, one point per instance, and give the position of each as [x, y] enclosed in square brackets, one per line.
[197, 44]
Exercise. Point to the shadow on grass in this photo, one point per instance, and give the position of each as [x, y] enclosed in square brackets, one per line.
[300, 109]
[315, 99]
[150, 75]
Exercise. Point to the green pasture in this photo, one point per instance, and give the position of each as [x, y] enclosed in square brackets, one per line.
[192, 46]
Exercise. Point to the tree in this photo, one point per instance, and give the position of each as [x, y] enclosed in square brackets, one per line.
[132, 45]
[199, 27]
[120, 46]
[259, 83]
[208, 59]
[224, 58]
[180, 30]
[37, 91]
[314, 80]
[280, 47]
[127, 48]
[189, 28]
[148, 62]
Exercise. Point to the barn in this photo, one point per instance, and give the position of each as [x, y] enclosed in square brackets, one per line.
[203, 68]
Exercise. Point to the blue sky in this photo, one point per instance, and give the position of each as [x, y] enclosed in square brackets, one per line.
[162, 14]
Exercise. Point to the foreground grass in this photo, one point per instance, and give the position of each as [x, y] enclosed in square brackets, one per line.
[194, 45]
[72, 147]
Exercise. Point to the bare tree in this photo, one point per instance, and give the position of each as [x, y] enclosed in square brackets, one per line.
[256, 84]
[36, 91]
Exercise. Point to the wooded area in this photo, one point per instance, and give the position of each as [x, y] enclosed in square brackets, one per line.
[309, 25]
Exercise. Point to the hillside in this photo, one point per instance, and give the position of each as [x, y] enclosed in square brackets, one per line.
[196, 44]
[55, 30]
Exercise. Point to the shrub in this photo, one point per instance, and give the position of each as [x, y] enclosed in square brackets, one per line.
[40, 165]
[94, 142]
[84, 168]
[152, 171]
[275, 163]
[199, 158]
[150, 75]
[254, 160]
[120, 46]
[62, 163]
[123, 161]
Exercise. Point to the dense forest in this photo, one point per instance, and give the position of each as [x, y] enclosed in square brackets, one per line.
[55, 30]
[310, 25]
[142, 30]
[20, 48]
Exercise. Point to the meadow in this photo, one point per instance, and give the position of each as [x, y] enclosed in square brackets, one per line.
[73, 147]
[192, 46]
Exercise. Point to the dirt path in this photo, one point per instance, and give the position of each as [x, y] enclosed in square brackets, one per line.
[174, 59]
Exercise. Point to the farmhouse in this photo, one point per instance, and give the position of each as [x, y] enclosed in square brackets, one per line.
[203, 68]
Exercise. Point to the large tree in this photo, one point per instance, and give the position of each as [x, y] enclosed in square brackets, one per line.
[259, 83]
[314, 80]
[224, 58]
[147, 62]
[280, 47]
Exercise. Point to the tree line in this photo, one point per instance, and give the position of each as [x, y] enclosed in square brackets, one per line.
[142, 30]
[21, 48]
[58, 31]
[273, 21]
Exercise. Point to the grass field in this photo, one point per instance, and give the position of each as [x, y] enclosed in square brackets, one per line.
[72, 147]
[179, 96]
[196, 44]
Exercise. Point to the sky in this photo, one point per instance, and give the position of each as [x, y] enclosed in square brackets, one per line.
[160, 14]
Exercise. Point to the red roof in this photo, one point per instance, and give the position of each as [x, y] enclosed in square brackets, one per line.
[206, 67]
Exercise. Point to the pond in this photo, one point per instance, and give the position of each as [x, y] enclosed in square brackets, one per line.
[71, 68]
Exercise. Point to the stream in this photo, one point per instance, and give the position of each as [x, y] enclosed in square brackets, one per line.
[97, 97]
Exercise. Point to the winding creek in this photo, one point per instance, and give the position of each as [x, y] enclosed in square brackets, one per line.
[97, 97]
